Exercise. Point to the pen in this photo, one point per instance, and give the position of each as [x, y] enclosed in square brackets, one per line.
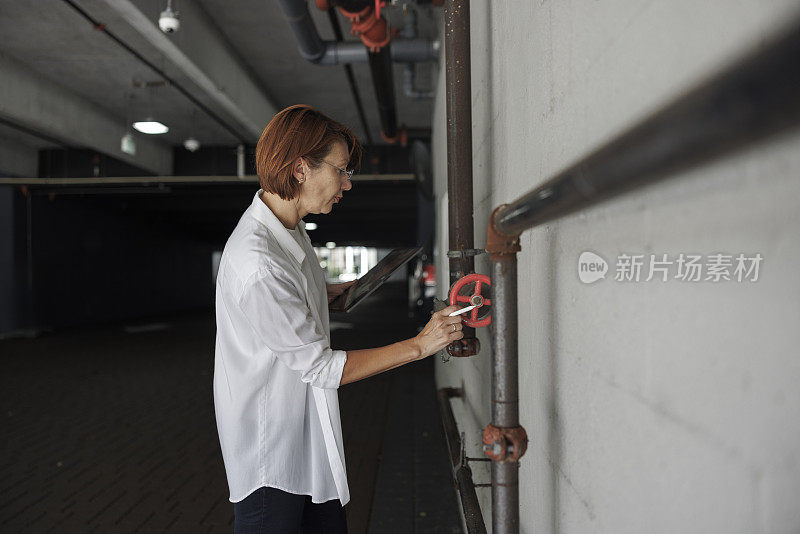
[462, 310]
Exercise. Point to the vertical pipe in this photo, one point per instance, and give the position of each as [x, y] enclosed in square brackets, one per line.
[30, 313]
[380, 64]
[505, 396]
[240, 160]
[348, 70]
[459, 139]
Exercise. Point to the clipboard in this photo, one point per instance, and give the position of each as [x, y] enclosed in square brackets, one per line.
[373, 279]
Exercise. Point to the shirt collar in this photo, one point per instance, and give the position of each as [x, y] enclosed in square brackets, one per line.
[263, 214]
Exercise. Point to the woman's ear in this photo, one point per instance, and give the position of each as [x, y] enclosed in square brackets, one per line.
[299, 170]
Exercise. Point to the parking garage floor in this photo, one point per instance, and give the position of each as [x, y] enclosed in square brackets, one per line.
[111, 429]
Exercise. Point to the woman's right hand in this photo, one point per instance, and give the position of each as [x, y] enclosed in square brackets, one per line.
[440, 331]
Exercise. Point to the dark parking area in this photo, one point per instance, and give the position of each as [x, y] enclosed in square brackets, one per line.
[111, 429]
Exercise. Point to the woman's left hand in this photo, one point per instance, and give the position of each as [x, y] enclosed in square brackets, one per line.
[334, 290]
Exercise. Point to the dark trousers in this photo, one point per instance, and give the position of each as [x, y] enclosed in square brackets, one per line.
[272, 511]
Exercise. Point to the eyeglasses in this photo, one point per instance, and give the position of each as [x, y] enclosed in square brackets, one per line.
[342, 172]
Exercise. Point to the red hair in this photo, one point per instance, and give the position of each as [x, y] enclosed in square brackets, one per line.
[299, 132]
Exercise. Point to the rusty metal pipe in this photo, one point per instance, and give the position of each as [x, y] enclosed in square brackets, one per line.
[462, 474]
[505, 389]
[459, 135]
[505, 396]
[469, 501]
[459, 148]
[380, 65]
[754, 99]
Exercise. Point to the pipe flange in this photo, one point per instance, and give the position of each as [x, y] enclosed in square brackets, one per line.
[401, 137]
[356, 16]
[504, 444]
[464, 347]
[374, 31]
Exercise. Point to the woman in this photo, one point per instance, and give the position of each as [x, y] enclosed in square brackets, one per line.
[275, 374]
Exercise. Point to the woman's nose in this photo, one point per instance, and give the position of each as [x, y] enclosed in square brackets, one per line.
[347, 186]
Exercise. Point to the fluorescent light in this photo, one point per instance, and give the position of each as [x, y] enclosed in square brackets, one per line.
[330, 244]
[311, 226]
[150, 127]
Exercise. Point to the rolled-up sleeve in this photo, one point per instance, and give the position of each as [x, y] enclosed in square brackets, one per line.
[282, 320]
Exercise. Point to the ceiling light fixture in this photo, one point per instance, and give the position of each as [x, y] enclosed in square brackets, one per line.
[311, 226]
[128, 144]
[191, 144]
[150, 127]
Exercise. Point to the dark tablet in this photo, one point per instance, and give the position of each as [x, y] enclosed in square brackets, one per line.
[373, 278]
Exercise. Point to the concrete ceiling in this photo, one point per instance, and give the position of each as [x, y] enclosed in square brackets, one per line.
[237, 59]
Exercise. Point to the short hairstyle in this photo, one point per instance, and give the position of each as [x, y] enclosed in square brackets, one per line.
[299, 131]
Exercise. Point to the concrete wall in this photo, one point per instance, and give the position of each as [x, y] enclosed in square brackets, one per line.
[656, 407]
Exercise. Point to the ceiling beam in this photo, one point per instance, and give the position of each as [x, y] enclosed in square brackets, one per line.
[39, 105]
[198, 56]
[117, 180]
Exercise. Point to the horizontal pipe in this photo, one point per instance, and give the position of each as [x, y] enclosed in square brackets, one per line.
[473, 517]
[402, 51]
[451, 435]
[756, 98]
[296, 13]
[315, 50]
[462, 474]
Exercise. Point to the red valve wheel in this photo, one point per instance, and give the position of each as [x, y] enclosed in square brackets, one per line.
[462, 293]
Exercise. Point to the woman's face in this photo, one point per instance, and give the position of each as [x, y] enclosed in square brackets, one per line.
[323, 187]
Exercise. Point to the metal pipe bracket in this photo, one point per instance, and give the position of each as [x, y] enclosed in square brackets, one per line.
[506, 444]
[465, 253]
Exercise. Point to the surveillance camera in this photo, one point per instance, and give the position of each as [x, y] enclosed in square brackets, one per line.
[169, 21]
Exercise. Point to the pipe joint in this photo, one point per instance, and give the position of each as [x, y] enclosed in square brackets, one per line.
[500, 246]
[506, 444]
[374, 31]
[319, 56]
[464, 347]
[400, 137]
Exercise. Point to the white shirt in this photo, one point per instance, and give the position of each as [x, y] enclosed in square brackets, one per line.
[275, 375]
